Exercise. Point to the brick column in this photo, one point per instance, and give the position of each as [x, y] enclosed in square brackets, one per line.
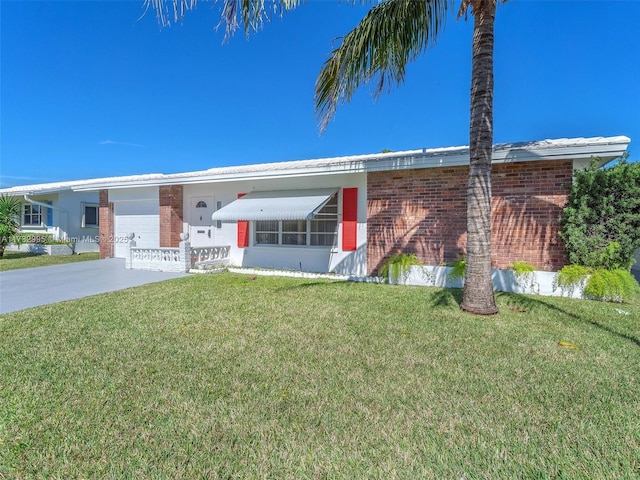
[171, 215]
[106, 222]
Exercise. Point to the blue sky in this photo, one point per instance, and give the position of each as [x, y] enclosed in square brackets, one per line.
[89, 89]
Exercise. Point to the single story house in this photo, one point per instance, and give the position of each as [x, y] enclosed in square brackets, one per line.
[349, 214]
[56, 209]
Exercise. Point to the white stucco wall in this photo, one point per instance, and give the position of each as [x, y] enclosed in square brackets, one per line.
[133, 194]
[581, 163]
[310, 259]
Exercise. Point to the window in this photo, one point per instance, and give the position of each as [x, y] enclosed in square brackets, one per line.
[32, 215]
[201, 204]
[218, 207]
[325, 224]
[267, 232]
[320, 231]
[294, 232]
[90, 215]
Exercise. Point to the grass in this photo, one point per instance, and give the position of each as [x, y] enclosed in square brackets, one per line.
[230, 376]
[18, 260]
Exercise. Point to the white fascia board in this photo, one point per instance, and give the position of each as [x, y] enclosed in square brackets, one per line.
[359, 164]
[93, 184]
[19, 191]
[503, 153]
[605, 151]
[419, 160]
[569, 149]
[229, 177]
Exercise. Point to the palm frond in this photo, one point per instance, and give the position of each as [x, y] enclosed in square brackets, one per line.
[163, 14]
[9, 212]
[251, 13]
[392, 34]
[466, 5]
[254, 13]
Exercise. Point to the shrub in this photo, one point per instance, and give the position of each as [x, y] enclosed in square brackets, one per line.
[611, 285]
[396, 262]
[458, 268]
[9, 212]
[525, 274]
[571, 275]
[601, 222]
[598, 283]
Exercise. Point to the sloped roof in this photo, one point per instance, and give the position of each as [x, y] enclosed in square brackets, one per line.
[54, 187]
[608, 148]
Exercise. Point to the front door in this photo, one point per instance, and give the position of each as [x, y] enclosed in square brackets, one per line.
[201, 231]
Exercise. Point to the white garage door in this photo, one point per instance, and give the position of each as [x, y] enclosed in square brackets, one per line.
[140, 217]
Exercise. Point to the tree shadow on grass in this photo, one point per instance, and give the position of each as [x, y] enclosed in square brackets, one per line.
[446, 297]
[530, 303]
[315, 284]
[438, 297]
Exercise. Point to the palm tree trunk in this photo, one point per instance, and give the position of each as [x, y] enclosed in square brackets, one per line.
[478, 288]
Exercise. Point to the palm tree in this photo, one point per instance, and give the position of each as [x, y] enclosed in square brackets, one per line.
[9, 226]
[393, 33]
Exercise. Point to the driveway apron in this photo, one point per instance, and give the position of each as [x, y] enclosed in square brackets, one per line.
[32, 287]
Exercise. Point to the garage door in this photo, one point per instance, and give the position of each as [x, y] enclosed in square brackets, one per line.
[140, 217]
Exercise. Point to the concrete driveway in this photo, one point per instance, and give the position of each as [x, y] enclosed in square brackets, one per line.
[31, 287]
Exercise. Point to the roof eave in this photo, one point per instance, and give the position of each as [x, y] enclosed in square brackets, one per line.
[213, 178]
[606, 149]
[31, 192]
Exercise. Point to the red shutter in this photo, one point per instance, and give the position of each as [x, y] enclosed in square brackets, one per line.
[349, 218]
[243, 230]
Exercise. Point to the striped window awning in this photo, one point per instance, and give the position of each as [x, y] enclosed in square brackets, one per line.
[276, 205]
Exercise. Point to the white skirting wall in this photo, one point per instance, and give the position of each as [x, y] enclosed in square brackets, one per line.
[541, 283]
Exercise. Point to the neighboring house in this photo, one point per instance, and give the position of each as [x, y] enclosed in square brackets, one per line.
[54, 208]
[349, 214]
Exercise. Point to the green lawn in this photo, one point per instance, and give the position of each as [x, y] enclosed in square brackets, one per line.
[230, 376]
[16, 260]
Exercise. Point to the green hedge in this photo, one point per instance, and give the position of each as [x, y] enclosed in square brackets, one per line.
[601, 222]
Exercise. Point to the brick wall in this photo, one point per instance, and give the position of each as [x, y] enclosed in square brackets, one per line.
[424, 212]
[527, 201]
[171, 215]
[106, 222]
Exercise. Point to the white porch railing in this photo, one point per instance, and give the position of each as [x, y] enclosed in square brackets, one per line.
[164, 259]
[210, 255]
[180, 259]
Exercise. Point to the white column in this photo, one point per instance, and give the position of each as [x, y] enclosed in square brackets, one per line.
[128, 256]
[185, 252]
